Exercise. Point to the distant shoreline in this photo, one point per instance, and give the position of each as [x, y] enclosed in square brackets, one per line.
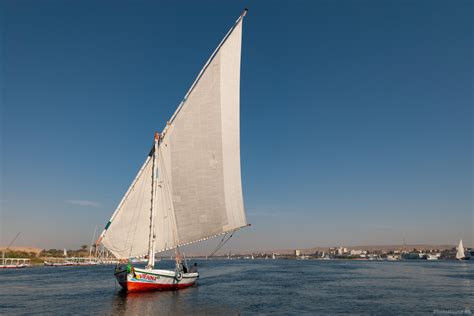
[285, 251]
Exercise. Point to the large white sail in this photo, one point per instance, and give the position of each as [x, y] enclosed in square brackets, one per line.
[198, 193]
[202, 150]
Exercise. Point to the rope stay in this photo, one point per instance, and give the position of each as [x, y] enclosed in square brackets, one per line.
[223, 241]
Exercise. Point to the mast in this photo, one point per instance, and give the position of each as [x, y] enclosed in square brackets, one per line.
[151, 238]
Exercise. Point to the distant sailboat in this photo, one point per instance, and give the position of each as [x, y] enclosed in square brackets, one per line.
[460, 255]
[189, 188]
[325, 256]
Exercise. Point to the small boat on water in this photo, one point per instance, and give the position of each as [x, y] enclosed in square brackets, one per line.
[461, 254]
[139, 260]
[189, 188]
[70, 262]
[431, 256]
[51, 263]
[411, 255]
[14, 263]
[324, 256]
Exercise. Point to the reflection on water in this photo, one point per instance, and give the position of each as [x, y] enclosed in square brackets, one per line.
[252, 286]
[166, 302]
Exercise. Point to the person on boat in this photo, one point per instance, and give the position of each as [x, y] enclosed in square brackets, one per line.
[181, 265]
[194, 268]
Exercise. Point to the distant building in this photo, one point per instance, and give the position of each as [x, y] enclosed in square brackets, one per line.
[341, 250]
[297, 252]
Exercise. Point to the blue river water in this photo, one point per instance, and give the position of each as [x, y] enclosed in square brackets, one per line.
[232, 287]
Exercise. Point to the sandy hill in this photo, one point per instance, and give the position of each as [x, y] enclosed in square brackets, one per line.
[25, 249]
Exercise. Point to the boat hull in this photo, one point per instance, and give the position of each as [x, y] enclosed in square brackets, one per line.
[16, 266]
[140, 280]
[57, 264]
[69, 264]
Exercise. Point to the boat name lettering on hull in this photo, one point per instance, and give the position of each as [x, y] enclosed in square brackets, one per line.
[146, 277]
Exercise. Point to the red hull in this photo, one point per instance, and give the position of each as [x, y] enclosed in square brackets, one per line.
[142, 286]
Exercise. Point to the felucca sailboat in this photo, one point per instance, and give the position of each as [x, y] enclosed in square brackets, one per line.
[189, 188]
[460, 254]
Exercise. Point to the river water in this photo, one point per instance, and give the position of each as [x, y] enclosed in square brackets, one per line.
[230, 287]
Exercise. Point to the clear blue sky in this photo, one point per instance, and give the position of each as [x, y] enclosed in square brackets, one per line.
[356, 116]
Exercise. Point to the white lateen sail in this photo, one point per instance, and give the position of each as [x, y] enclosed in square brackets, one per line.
[460, 251]
[197, 193]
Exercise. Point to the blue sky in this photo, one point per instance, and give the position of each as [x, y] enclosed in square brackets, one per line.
[356, 116]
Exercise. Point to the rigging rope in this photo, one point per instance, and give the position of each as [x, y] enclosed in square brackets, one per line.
[222, 243]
